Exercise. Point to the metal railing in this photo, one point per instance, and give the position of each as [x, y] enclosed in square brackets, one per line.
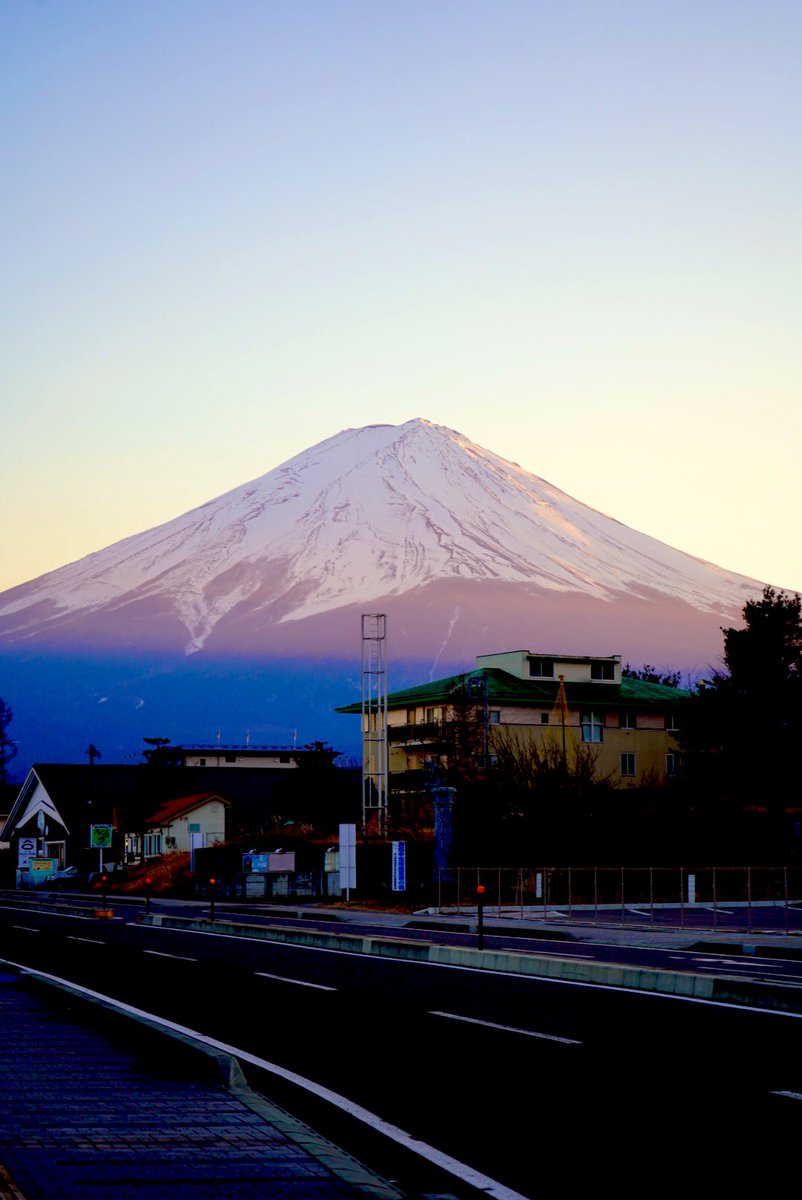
[707, 897]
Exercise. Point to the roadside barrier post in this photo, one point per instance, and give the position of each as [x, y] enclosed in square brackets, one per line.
[480, 917]
[212, 883]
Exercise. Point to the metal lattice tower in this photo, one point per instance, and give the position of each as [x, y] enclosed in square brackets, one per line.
[374, 723]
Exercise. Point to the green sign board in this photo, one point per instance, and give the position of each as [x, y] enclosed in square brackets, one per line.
[100, 836]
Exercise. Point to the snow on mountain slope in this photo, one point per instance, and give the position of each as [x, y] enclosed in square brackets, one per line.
[368, 513]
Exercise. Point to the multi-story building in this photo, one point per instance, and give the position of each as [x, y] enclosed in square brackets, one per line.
[563, 701]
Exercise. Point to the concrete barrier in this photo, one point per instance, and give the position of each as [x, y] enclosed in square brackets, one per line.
[724, 988]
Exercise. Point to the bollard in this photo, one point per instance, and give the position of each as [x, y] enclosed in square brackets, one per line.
[212, 883]
[480, 917]
[148, 882]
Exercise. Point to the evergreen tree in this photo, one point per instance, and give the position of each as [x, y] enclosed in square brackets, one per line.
[8, 747]
[742, 732]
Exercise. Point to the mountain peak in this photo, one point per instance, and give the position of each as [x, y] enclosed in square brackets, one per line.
[370, 513]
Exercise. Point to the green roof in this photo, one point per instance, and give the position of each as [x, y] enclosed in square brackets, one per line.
[503, 688]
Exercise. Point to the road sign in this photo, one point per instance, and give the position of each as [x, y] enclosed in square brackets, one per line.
[27, 851]
[347, 857]
[399, 883]
[100, 836]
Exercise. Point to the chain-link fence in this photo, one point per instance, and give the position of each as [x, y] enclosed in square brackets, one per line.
[717, 898]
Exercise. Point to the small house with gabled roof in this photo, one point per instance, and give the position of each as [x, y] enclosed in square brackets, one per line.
[185, 823]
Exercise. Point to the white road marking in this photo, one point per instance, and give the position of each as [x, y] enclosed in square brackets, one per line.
[94, 941]
[549, 1037]
[301, 982]
[752, 961]
[164, 954]
[498, 1191]
[27, 928]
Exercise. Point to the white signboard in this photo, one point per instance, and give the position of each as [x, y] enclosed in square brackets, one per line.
[347, 856]
[399, 883]
[27, 851]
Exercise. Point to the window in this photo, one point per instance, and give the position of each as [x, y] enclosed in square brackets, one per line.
[628, 720]
[541, 667]
[627, 765]
[602, 670]
[671, 764]
[671, 719]
[203, 762]
[231, 758]
[410, 716]
[494, 716]
[544, 718]
[431, 714]
[592, 727]
[194, 827]
[284, 758]
[153, 845]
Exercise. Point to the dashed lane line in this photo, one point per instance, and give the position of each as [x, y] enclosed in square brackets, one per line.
[26, 928]
[322, 987]
[93, 941]
[163, 954]
[548, 1037]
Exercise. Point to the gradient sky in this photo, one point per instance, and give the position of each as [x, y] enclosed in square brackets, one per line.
[570, 230]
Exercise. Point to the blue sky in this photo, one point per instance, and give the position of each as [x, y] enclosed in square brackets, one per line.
[570, 230]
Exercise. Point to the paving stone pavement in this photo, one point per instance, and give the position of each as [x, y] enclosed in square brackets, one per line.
[84, 1116]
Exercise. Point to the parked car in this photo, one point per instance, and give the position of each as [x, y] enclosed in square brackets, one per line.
[71, 878]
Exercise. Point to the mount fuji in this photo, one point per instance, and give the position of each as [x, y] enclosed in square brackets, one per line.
[466, 552]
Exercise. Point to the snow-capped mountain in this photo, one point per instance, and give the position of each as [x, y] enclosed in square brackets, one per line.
[241, 619]
[414, 515]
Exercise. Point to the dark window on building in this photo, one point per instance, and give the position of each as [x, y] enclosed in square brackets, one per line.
[542, 667]
[231, 758]
[544, 718]
[494, 716]
[671, 719]
[627, 765]
[602, 670]
[628, 720]
[203, 762]
[284, 758]
[671, 764]
[592, 727]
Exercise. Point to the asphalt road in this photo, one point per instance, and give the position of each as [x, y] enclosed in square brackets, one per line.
[537, 1084]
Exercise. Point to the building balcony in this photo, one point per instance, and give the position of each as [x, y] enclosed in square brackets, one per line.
[414, 735]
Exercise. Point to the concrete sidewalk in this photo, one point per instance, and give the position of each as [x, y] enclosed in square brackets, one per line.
[100, 1110]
